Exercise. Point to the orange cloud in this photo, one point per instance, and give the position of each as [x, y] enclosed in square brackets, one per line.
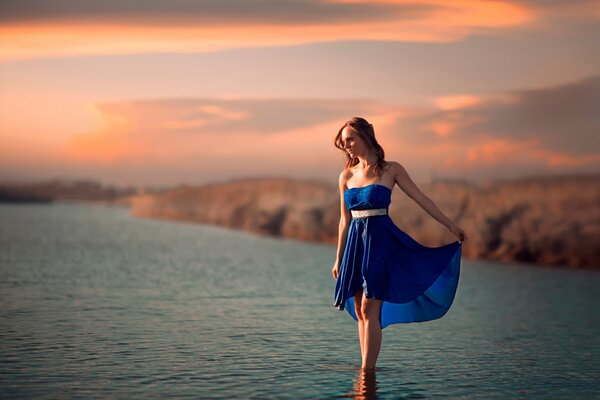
[555, 159]
[442, 128]
[496, 151]
[213, 115]
[493, 152]
[450, 123]
[109, 142]
[548, 129]
[209, 131]
[456, 102]
[89, 34]
[163, 138]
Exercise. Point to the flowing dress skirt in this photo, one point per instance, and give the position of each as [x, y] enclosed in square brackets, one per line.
[416, 283]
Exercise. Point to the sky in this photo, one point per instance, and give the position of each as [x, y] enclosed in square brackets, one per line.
[177, 92]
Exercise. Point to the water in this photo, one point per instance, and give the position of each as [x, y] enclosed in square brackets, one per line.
[97, 304]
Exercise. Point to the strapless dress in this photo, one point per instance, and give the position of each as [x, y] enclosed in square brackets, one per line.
[416, 283]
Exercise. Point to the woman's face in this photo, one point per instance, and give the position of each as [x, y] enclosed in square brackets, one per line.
[353, 144]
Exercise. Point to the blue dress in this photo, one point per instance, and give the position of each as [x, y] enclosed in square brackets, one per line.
[416, 283]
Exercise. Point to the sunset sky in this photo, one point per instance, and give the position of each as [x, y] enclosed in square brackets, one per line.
[170, 92]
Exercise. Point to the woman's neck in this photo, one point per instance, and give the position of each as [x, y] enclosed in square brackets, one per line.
[367, 162]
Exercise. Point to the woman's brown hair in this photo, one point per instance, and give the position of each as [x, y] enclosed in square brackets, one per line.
[366, 132]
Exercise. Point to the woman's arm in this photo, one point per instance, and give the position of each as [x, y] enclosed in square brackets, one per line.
[345, 217]
[408, 186]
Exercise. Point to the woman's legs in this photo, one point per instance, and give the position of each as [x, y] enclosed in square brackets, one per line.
[369, 328]
[372, 331]
[361, 322]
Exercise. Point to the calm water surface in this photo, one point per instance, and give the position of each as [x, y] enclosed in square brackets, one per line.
[97, 304]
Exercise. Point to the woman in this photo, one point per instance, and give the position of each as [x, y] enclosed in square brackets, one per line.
[382, 275]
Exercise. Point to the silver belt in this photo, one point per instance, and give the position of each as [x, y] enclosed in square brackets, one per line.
[368, 213]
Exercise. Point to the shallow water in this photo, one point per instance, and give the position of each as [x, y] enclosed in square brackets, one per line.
[97, 304]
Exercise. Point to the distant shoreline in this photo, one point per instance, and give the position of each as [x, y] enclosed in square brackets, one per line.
[540, 221]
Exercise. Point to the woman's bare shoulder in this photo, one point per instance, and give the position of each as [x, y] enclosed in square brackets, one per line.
[393, 166]
[396, 170]
[345, 175]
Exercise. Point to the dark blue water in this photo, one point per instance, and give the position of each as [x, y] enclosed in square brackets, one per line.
[97, 304]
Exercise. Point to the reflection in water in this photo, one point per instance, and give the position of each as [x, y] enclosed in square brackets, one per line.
[365, 384]
[364, 387]
[367, 387]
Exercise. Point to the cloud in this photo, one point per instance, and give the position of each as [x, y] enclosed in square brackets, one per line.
[554, 127]
[549, 129]
[169, 129]
[563, 118]
[70, 27]
[565, 9]
[456, 102]
[545, 130]
[208, 12]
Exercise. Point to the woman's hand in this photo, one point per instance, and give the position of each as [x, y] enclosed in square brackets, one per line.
[335, 270]
[462, 236]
